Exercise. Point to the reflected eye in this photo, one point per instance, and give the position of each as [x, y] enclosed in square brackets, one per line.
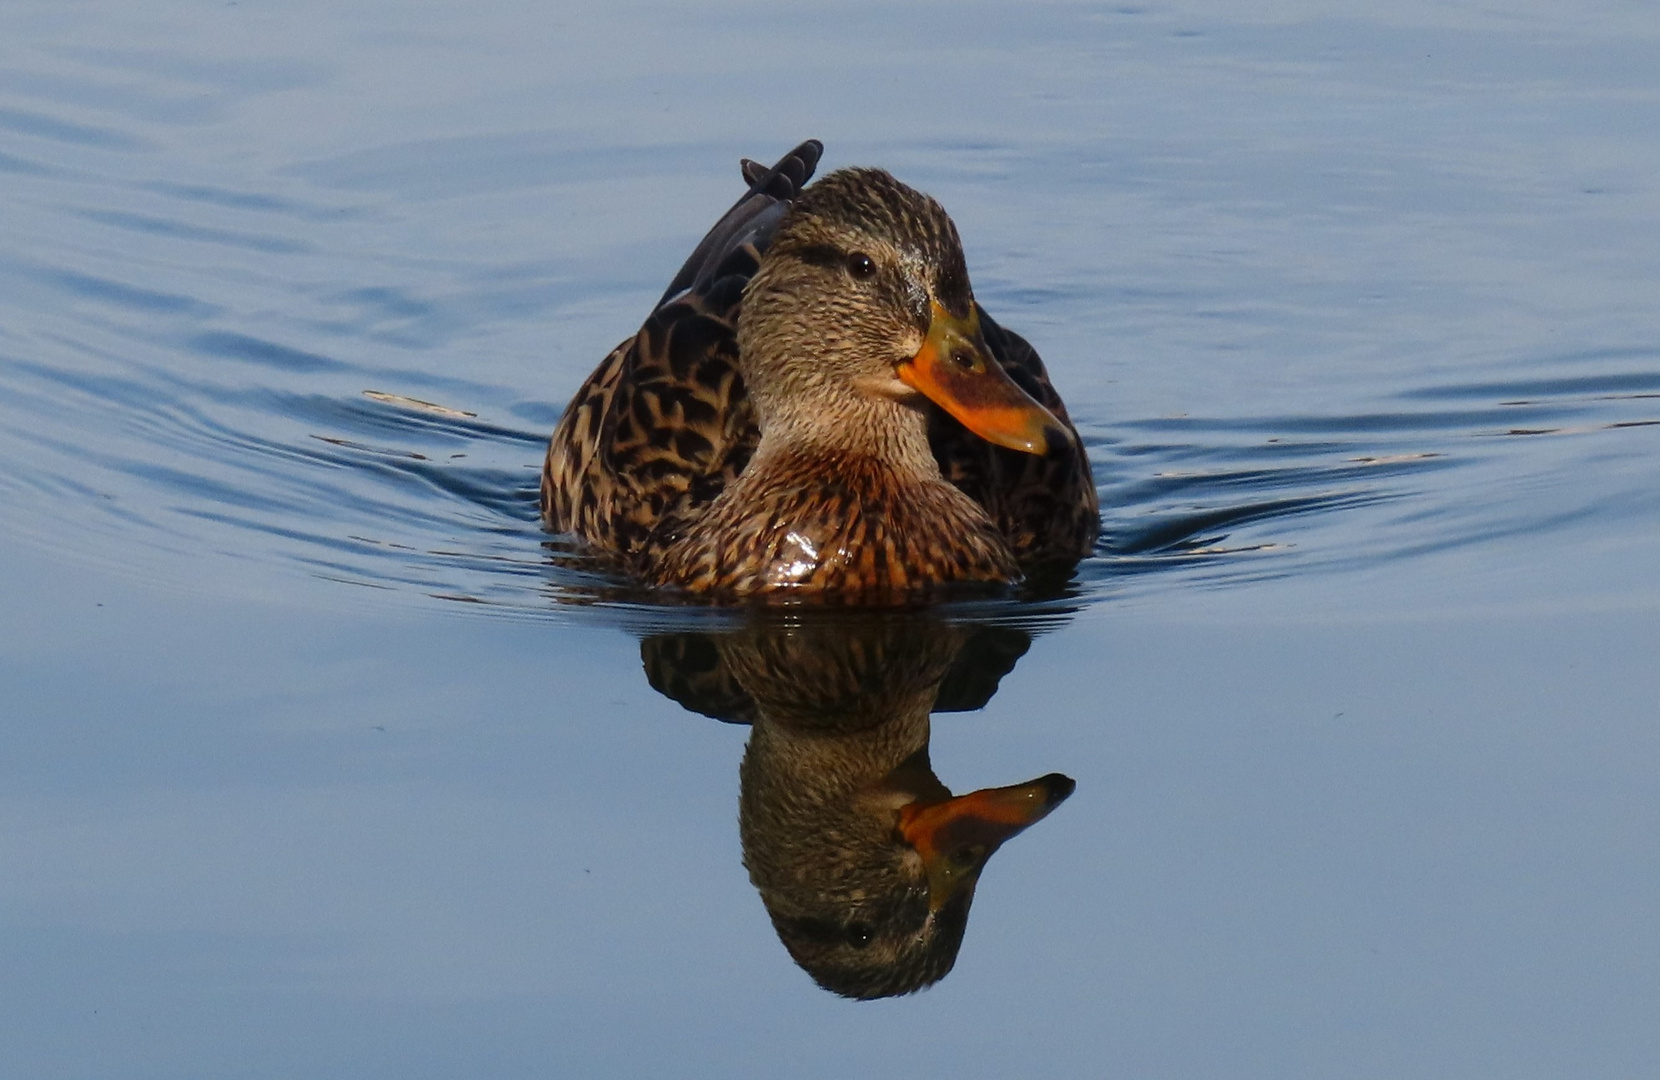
[861, 266]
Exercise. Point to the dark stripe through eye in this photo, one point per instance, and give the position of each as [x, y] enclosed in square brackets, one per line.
[820, 255]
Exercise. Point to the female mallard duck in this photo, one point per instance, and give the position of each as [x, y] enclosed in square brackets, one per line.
[817, 405]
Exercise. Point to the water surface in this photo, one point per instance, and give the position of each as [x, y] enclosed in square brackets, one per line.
[321, 762]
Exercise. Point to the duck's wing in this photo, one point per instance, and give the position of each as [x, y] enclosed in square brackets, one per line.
[664, 423]
[1046, 507]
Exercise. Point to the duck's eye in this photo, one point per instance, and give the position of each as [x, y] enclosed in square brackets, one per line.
[859, 934]
[861, 266]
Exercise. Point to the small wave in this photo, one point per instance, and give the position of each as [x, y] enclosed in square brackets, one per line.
[203, 370]
[401, 493]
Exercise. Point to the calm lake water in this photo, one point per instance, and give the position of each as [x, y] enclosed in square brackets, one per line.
[318, 761]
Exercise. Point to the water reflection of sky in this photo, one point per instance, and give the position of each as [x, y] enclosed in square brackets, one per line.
[1355, 311]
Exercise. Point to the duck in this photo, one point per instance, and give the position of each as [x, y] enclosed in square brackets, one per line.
[817, 407]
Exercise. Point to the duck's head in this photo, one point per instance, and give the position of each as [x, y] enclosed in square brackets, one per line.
[860, 310]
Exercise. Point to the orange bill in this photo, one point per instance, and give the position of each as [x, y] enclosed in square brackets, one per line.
[956, 371]
[956, 837]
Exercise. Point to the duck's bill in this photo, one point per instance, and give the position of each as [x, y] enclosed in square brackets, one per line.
[955, 370]
[956, 837]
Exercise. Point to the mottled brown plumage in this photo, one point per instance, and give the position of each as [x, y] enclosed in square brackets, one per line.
[848, 525]
[765, 431]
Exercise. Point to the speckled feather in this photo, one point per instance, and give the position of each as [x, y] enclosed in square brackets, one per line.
[663, 425]
[848, 526]
[653, 436]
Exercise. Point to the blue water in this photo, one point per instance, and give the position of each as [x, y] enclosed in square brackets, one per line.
[323, 759]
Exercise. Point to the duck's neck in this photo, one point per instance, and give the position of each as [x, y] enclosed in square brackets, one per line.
[851, 426]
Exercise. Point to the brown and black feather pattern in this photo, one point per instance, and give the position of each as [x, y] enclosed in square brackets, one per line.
[663, 424]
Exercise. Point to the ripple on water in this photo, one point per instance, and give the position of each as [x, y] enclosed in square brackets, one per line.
[200, 368]
[375, 487]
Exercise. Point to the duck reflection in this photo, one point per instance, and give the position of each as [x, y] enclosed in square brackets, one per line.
[864, 859]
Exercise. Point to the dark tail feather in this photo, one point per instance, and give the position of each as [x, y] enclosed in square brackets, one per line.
[785, 179]
[751, 219]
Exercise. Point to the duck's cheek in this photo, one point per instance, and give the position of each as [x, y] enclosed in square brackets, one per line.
[890, 386]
